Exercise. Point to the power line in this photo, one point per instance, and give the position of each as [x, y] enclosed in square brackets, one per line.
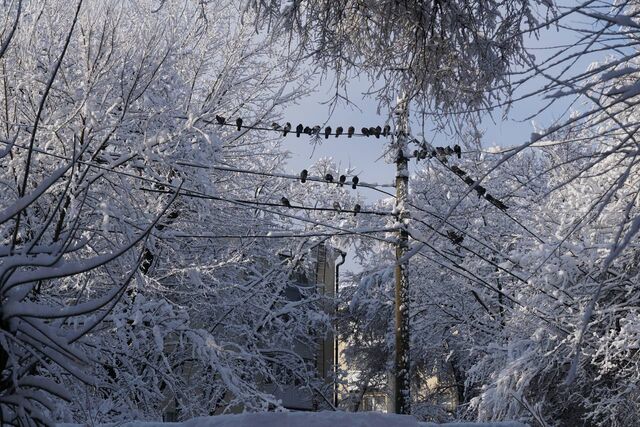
[272, 204]
[301, 129]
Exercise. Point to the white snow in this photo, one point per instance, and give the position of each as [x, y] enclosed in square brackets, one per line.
[307, 419]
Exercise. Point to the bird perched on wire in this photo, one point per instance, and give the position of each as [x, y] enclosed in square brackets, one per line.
[372, 131]
[285, 202]
[356, 209]
[377, 131]
[239, 123]
[364, 131]
[336, 206]
[343, 179]
[457, 150]
[307, 130]
[354, 182]
[303, 175]
[339, 131]
[458, 171]
[275, 126]
[221, 120]
[327, 132]
[299, 130]
[386, 130]
[350, 131]
[287, 129]
[328, 177]
[316, 130]
[455, 238]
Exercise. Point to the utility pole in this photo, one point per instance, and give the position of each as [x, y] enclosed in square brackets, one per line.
[402, 372]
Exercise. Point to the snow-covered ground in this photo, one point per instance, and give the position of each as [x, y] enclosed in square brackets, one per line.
[309, 419]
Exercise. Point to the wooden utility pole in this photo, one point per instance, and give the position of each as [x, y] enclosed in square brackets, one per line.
[402, 372]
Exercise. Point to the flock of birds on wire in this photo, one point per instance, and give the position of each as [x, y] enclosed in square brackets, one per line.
[441, 153]
[300, 129]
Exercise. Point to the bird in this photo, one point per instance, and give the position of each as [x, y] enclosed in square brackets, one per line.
[386, 130]
[457, 150]
[416, 154]
[501, 205]
[328, 177]
[448, 150]
[327, 132]
[275, 126]
[339, 131]
[307, 130]
[287, 129]
[221, 120]
[350, 131]
[299, 130]
[239, 123]
[356, 209]
[455, 237]
[342, 180]
[365, 131]
[316, 130]
[377, 131]
[336, 206]
[458, 171]
[303, 175]
[354, 182]
[285, 202]
[440, 151]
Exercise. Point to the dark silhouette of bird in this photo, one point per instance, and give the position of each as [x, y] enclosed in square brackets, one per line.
[307, 130]
[299, 130]
[440, 151]
[221, 120]
[287, 129]
[354, 182]
[456, 238]
[481, 190]
[350, 131]
[336, 206]
[386, 130]
[448, 150]
[316, 130]
[339, 131]
[275, 126]
[364, 131]
[356, 209]
[416, 154]
[328, 177]
[501, 205]
[285, 202]
[342, 180]
[377, 131]
[457, 150]
[303, 175]
[372, 131]
[327, 132]
[458, 171]
[239, 123]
